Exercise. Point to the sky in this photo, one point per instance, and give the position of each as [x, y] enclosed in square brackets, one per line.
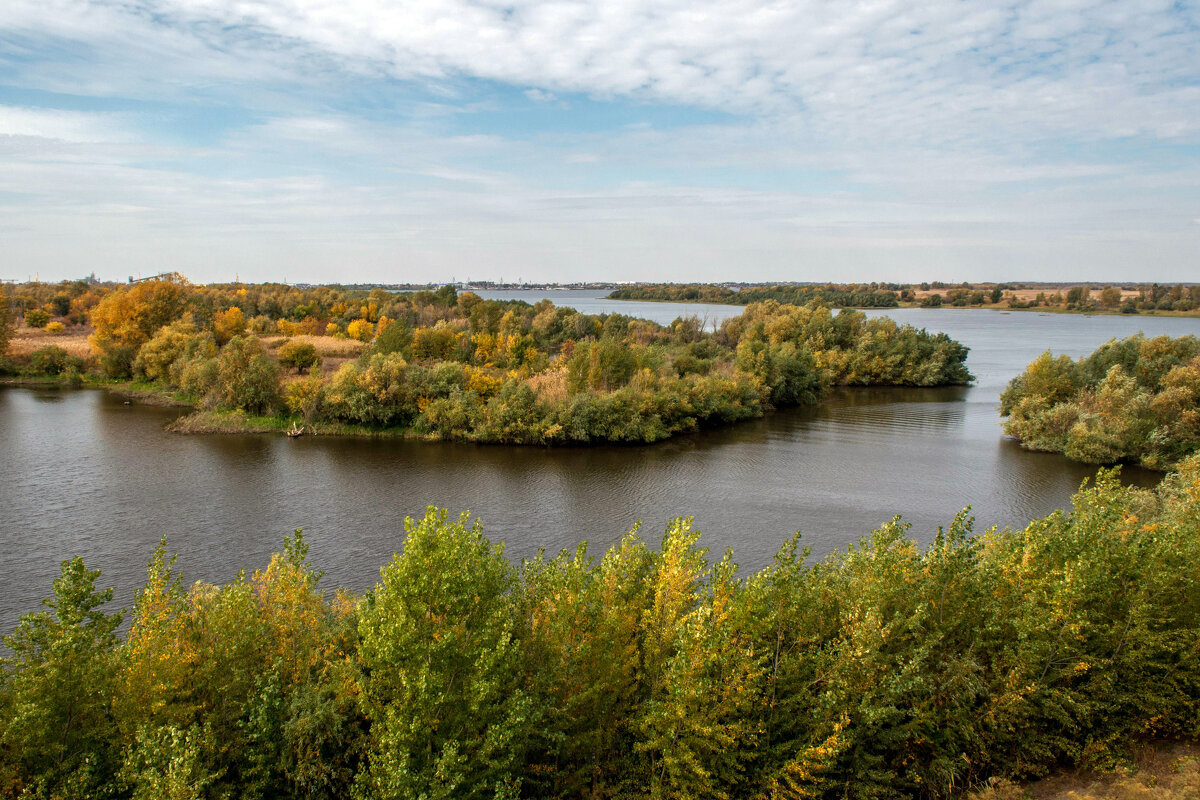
[611, 140]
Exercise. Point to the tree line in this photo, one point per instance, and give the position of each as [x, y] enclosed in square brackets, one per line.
[848, 296]
[1134, 399]
[886, 670]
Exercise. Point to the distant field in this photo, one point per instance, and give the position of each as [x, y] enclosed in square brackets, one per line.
[26, 340]
[334, 352]
[327, 346]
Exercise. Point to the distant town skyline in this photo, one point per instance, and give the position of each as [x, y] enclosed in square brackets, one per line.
[362, 141]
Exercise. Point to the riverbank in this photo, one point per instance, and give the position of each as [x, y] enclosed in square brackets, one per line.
[147, 394]
[235, 422]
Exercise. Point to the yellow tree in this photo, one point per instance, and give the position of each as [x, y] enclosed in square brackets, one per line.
[229, 323]
[128, 317]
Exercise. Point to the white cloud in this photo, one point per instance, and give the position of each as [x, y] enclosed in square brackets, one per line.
[882, 138]
[861, 68]
[68, 126]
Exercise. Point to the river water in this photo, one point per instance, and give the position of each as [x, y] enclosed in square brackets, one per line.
[83, 473]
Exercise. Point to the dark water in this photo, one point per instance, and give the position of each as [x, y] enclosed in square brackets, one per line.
[85, 474]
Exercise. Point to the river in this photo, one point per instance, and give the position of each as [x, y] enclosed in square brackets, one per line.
[86, 474]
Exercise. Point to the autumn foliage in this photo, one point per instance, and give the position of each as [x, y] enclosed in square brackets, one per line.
[1133, 399]
[453, 366]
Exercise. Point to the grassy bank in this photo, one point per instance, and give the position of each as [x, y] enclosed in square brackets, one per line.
[1154, 771]
[242, 422]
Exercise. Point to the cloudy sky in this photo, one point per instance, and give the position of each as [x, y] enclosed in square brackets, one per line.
[421, 140]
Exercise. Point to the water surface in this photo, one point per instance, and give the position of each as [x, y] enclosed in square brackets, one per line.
[86, 474]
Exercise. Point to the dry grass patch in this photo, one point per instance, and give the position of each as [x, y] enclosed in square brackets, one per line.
[1165, 771]
[27, 340]
[550, 386]
[327, 346]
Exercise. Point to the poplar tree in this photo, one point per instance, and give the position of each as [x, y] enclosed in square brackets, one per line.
[442, 669]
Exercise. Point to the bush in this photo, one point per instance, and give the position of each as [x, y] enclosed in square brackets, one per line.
[306, 397]
[300, 356]
[36, 318]
[229, 323]
[116, 361]
[885, 670]
[53, 360]
[177, 341]
[394, 338]
[247, 380]
[197, 376]
[55, 327]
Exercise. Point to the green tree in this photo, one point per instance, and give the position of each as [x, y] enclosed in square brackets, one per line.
[167, 764]
[441, 679]
[1078, 296]
[247, 380]
[394, 338]
[699, 725]
[56, 726]
[583, 657]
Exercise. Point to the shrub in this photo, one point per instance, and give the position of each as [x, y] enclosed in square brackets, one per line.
[197, 376]
[36, 318]
[247, 380]
[6, 324]
[116, 361]
[176, 342]
[394, 337]
[306, 397]
[300, 356]
[128, 317]
[55, 327]
[53, 360]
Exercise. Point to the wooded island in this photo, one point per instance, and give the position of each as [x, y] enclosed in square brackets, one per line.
[456, 366]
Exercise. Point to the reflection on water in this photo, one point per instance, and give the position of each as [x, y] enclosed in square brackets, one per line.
[86, 474]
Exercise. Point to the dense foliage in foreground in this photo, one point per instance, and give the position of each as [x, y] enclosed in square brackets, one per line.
[460, 367]
[1135, 399]
[884, 671]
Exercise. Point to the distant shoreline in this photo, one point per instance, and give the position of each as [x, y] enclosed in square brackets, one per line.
[1116, 312]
